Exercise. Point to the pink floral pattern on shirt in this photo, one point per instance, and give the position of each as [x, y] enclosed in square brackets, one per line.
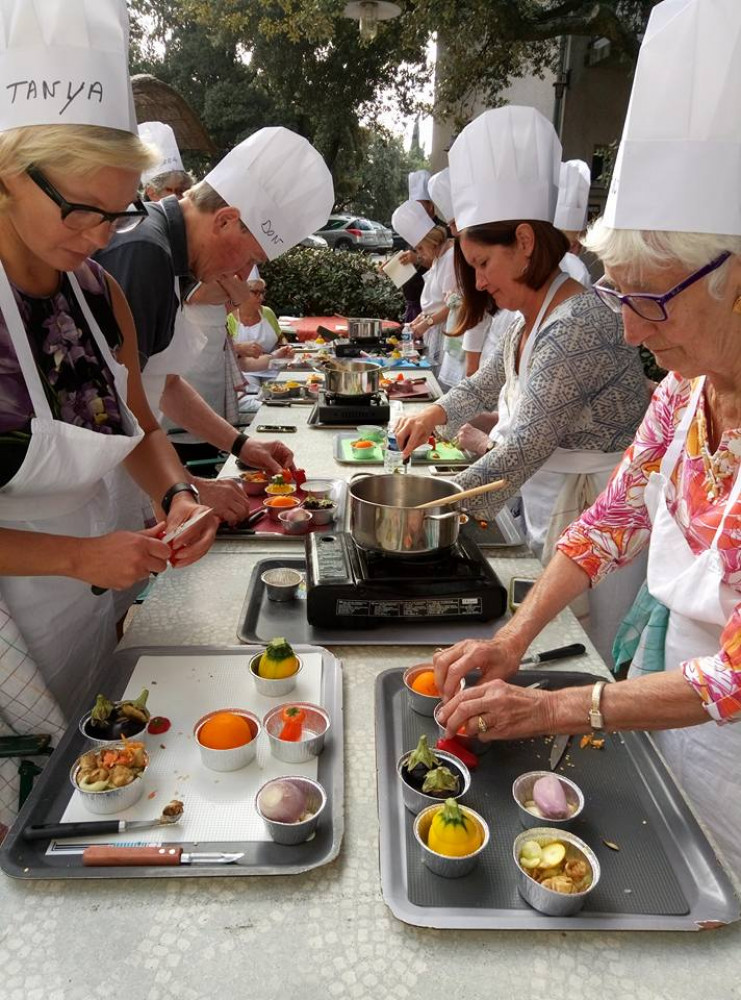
[617, 526]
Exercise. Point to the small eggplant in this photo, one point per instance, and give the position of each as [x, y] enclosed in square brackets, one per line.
[441, 783]
[420, 761]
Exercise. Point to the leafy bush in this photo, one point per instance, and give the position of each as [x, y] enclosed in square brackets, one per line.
[307, 282]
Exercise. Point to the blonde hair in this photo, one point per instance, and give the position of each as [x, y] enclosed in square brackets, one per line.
[205, 198]
[72, 149]
[435, 238]
[643, 251]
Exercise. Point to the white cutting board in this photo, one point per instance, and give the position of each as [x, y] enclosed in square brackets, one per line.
[219, 806]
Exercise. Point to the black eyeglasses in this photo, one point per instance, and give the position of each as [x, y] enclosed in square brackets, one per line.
[653, 307]
[79, 217]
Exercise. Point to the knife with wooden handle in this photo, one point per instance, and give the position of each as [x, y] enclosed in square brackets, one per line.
[111, 856]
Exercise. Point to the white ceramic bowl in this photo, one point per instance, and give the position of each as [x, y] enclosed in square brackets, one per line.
[319, 488]
[274, 688]
[236, 757]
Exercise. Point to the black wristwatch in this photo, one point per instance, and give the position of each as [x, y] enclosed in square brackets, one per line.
[239, 442]
[167, 499]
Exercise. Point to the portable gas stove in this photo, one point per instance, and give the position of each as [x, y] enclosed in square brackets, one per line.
[355, 348]
[349, 588]
[342, 410]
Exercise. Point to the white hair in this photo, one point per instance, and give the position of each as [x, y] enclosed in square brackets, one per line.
[646, 251]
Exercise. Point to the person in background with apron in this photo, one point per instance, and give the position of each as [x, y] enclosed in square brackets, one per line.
[262, 198]
[167, 176]
[569, 392]
[71, 402]
[671, 246]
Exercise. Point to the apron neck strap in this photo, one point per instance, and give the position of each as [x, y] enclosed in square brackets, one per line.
[550, 295]
[92, 323]
[19, 339]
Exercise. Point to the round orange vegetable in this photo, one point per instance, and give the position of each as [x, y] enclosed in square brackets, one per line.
[424, 683]
[363, 444]
[281, 501]
[224, 731]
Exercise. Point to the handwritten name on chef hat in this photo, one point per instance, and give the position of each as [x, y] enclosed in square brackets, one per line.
[440, 193]
[65, 62]
[161, 135]
[505, 165]
[280, 184]
[678, 167]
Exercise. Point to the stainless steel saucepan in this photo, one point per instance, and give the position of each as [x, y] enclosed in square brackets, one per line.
[383, 516]
[351, 378]
[364, 329]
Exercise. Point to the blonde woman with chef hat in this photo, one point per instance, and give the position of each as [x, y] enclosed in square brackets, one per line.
[670, 241]
[569, 392]
[71, 401]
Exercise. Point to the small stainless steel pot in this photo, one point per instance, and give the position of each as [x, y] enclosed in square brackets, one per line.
[383, 518]
[364, 329]
[351, 378]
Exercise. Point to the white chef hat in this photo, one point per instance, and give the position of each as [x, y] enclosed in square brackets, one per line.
[280, 184]
[162, 136]
[575, 181]
[678, 167]
[440, 194]
[504, 165]
[411, 222]
[418, 181]
[65, 62]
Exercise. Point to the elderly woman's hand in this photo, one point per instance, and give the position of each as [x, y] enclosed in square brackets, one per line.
[472, 439]
[408, 257]
[492, 657]
[506, 711]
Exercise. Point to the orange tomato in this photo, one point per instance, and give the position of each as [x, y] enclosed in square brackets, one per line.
[224, 731]
[424, 683]
[281, 501]
[363, 444]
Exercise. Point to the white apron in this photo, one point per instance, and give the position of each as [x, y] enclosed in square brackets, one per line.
[60, 488]
[207, 373]
[570, 479]
[706, 758]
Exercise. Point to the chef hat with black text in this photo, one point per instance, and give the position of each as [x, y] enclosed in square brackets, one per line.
[161, 135]
[574, 183]
[418, 181]
[504, 166]
[440, 194]
[678, 167]
[65, 62]
[411, 222]
[280, 184]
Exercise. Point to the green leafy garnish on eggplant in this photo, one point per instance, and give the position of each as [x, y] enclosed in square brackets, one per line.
[111, 720]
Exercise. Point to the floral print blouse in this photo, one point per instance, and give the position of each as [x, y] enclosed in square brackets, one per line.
[617, 526]
[78, 384]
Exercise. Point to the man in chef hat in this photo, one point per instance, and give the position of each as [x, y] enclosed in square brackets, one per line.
[261, 199]
[574, 183]
[419, 190]
[442, 198]
[168, 176]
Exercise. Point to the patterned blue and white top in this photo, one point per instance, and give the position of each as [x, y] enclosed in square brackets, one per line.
[585, 391]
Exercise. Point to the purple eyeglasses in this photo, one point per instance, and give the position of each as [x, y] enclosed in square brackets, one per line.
[653, 307]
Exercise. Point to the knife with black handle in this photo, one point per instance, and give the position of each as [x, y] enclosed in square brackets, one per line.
[561, 653]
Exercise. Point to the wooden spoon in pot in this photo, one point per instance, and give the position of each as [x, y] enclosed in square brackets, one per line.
[498, 484]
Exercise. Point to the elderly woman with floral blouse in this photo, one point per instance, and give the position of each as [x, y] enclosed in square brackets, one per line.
[673, 268]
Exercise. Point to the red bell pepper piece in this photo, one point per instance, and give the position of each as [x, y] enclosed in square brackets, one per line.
[458, 750]
[293, 723]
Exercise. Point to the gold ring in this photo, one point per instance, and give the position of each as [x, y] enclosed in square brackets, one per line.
[482, 724]
[439, 649]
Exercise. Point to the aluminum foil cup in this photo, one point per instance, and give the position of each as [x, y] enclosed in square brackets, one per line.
[554, 904]
[252, 489]
[441, 864]
[414, 800]
[318, 487]
[273, 512]
[522, 792]
[294, 523]
[235, 758]
[472, 743]
[281, 583]
[324, 516]
[276, 490]
[422, 704]
[115, 800]
[137, 734]
[274, 688]
[311, 744]
[296, 833]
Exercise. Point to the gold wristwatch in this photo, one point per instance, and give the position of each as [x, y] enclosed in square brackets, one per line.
[596, 720]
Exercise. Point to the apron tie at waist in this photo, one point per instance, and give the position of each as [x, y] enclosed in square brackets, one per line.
[649, 618]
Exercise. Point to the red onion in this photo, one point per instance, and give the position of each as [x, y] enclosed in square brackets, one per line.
[282, 801]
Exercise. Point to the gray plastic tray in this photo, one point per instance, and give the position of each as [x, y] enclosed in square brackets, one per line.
[664, 877]
[46, 804]
[261, 619]
[339, 495]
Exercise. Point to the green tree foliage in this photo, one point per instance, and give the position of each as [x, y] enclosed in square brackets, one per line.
[382, 177]
[306, 282]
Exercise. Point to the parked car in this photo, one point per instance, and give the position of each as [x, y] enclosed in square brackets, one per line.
[398, 242]
[385, 236]
[315, 243]
[350, 232]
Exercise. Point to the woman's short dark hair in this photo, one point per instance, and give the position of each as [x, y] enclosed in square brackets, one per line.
[550, 246]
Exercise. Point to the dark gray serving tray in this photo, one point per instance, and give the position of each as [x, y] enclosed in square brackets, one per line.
[664, 877]
[339, 495]
[261, 619]
[48, 800]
